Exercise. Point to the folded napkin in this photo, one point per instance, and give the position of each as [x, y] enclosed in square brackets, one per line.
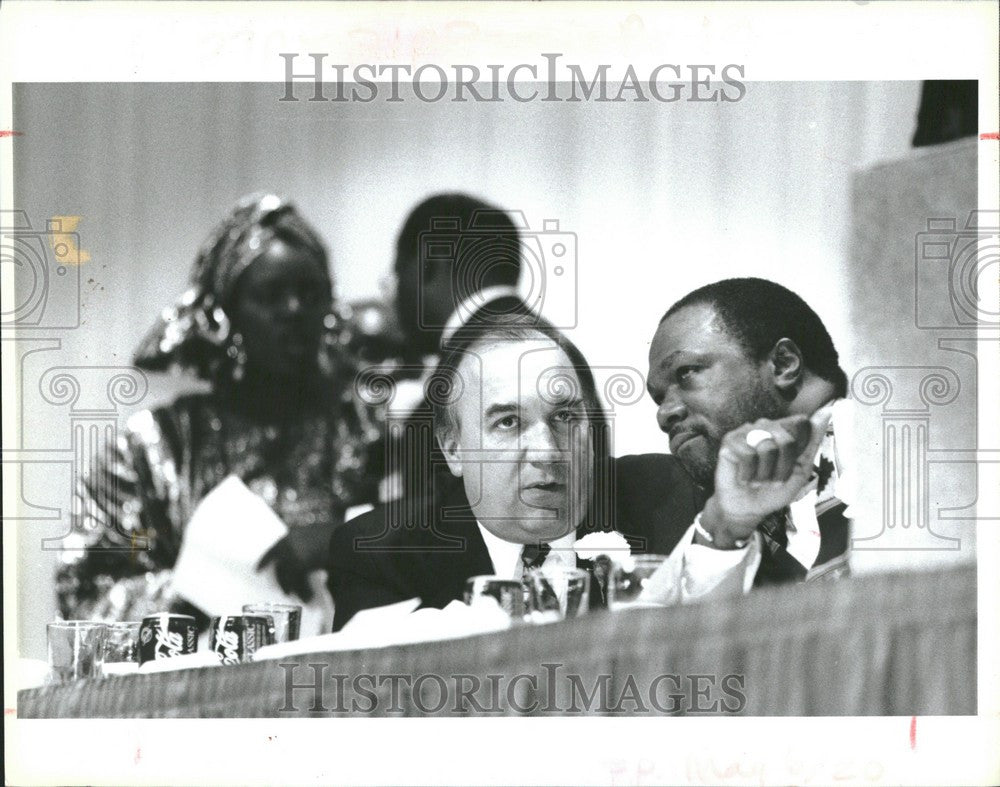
[426, 625]
[216, 570]
[201, 658]
[397, 624]
[120, 668]
[31, 673]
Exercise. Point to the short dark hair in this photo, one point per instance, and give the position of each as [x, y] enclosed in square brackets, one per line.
[758, 313]
[473, 220]
[442, 391]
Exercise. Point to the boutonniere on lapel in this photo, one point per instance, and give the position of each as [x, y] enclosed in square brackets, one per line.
[824, 474]
[608, 544]
[602, 550]
[824, 471]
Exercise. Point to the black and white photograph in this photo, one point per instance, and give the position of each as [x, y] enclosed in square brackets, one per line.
[591, 368]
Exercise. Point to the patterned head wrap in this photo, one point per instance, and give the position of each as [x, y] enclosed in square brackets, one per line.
[192, 333]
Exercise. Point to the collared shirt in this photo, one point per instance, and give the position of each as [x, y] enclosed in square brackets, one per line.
[506, 555]
[695, 572]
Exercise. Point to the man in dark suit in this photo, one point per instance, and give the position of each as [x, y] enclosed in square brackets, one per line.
[525, 440]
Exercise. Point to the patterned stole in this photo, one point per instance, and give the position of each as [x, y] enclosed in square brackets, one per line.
[777, 565]
[835, 532]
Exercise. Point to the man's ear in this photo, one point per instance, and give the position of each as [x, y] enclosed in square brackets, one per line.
[787, 366]
[448, 440]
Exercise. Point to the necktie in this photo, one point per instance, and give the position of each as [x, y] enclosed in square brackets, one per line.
[533, 555]
[539, 595]
[776, 565]
[775, 530]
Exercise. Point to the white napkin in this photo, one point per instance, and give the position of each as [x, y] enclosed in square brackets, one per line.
[120, 668]
[31, 673]
[201, 658]
[216, 569]
[397, 624]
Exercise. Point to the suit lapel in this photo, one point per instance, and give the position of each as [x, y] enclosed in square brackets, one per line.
[834, 529]
[444, 573]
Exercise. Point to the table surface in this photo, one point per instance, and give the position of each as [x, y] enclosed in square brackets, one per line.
[898, 644]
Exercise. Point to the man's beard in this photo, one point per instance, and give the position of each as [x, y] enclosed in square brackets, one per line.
[757, 402]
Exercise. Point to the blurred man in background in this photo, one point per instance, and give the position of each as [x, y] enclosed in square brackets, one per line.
[458, 261]
[456, 256]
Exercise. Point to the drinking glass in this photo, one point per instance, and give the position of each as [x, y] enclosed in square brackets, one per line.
[235, 638]
[508, 593]
[558, 589]
[285, 618]
[625, 587]
[76, 649]
[121, 648]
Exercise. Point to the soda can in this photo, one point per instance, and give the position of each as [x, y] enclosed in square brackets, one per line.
[165, 635]
[235, 638]
[508, 593]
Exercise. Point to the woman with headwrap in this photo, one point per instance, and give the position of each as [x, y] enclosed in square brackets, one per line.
[259, 324]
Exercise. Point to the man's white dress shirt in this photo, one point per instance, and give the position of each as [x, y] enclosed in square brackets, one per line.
[694, 572]
[506, 555]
